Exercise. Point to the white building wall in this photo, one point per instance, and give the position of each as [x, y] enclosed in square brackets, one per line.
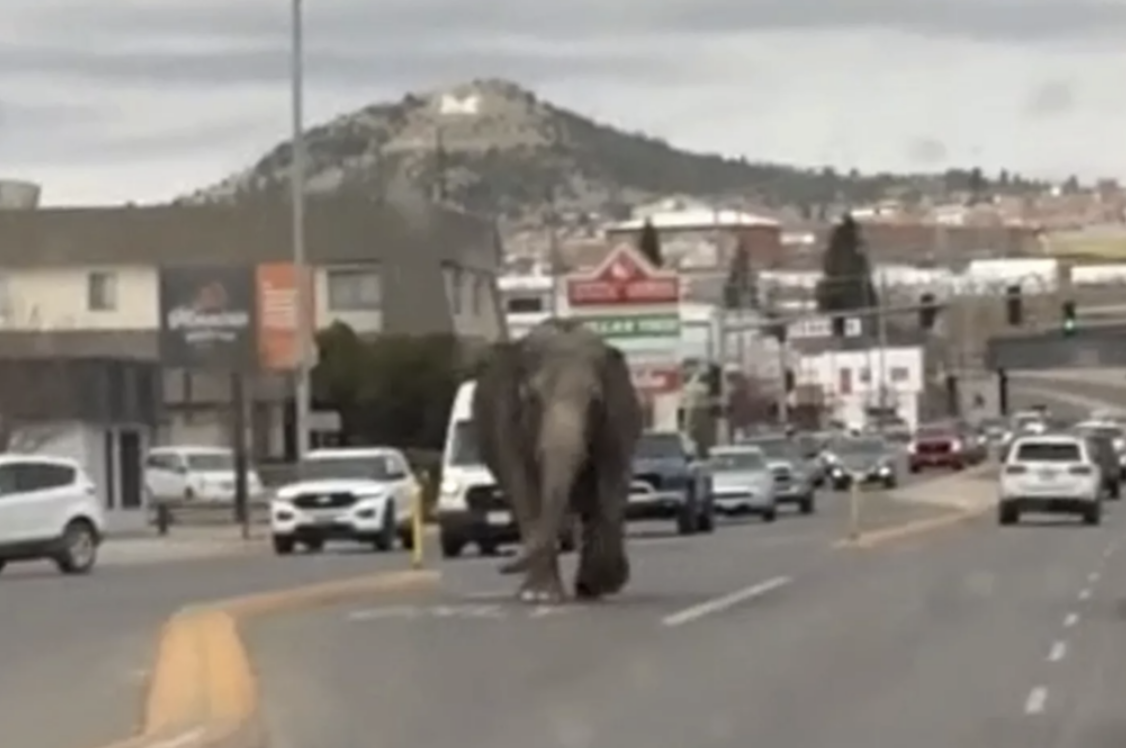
[851, 381]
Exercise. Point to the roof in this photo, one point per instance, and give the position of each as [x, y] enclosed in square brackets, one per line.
[254, 231]
[695, 218]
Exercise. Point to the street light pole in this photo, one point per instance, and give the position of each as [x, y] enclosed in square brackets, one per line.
[302, 321]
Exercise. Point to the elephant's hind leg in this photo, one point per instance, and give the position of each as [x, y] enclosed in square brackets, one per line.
[603, 565]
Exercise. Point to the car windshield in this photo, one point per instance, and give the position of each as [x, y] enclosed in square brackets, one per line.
[743, 459]
[211, 461]
[660, 446]
[371, 467]
[1047, 452]
[776, 448]
[463, 450]
[860, 447]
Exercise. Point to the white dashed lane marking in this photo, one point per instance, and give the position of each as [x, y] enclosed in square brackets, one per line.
[1037, 699]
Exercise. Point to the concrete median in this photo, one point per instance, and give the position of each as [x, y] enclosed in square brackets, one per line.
[202, 693]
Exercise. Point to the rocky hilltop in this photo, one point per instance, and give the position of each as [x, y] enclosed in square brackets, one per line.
[493, 147]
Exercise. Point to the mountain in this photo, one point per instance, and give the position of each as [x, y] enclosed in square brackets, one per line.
[493, 147]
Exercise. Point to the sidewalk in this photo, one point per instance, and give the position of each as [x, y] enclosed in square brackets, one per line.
[181, 543]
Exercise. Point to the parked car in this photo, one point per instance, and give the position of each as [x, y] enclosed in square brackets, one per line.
[670, 483]
[1052, 474]
[946, 445]
[742, 482]
[49, 509]
[793, 475]
[872, 459]
[195, 473]
[361, 495]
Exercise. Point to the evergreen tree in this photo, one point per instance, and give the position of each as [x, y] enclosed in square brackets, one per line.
[740, 290]
[649, 243]
[846, 276]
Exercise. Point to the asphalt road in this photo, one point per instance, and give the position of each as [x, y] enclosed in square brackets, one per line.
[977, 637]
[83, 646]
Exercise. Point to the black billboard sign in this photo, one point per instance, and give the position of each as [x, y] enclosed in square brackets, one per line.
[207, 317]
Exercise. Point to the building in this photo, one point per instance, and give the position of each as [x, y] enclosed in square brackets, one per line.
[853, 389]
[698, 237]
[84, 283]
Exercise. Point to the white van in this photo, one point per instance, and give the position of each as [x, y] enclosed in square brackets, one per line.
[195, 473]
[471, 508]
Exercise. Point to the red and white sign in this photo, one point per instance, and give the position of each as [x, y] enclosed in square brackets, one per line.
[624, 278]
[656, 380]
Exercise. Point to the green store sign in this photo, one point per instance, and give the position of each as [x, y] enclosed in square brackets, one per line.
[635, 326]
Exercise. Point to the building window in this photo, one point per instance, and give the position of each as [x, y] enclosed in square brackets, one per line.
[900, 374]
[101, 291]
[354, 290]
[864, 375]
[525, 304]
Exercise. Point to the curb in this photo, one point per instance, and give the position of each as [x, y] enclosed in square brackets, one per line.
[202, 692]
[874, 538]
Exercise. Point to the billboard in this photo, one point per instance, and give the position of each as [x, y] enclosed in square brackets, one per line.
[276, 291]
[208, 317]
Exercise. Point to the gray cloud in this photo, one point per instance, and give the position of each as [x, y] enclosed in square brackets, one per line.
[927, 152]
[17, 115]
[389, 65]
[363, 22]
[105, 144]
[1051, 99]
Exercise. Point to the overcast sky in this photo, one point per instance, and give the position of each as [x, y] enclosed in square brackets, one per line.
[110, 100]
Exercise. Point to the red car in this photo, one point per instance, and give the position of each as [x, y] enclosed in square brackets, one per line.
[942, 446]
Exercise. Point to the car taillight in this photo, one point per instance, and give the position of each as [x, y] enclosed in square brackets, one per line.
[911, 448]
[1080, 470]
[1015, 469]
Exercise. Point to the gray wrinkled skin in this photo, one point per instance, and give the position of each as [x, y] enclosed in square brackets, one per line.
[557, 420]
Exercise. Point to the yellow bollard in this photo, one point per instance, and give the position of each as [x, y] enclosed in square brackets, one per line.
[854, 508]
[417, 526]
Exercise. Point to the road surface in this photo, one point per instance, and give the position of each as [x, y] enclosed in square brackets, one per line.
[975, 637]
[82, 646]
[662, 665]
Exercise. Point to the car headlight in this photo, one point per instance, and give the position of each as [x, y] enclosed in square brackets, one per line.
[450, 486]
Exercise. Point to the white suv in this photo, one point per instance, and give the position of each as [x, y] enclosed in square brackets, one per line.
[1054, 474]
[362, 494]
[49, 509]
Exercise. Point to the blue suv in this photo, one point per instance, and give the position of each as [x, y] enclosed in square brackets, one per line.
[670, 483]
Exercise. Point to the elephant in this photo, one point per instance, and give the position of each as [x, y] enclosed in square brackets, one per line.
[557, 420]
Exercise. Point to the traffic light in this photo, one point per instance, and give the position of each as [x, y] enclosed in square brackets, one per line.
[1068, 317]
[838, 325]
[928, 312]
[1014, 306]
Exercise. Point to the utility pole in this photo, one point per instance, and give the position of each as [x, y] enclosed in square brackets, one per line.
[553, 258]
[302, 302]
[882, 337]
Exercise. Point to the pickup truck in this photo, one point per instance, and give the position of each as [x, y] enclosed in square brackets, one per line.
[670, 483]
